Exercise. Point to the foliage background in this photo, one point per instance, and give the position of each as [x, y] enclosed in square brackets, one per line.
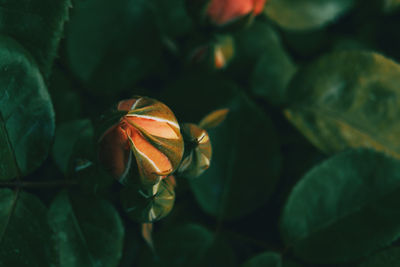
[305, 169]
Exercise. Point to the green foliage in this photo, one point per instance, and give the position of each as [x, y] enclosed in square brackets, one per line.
[87, 231]
[298, 159]
[348, 99]
[37, 25]
[192, 245]
[305, 14]
[110, 50]
[387, 258]
[230, 188]
[67, 135]
[25, 236]
[332, 213]
[269, 259]
[26, 112]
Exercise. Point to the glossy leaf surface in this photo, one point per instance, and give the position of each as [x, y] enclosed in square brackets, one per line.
[332, 214]
[26, 112]
[88, 231]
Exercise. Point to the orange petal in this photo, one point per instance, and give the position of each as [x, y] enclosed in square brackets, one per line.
[126, 105]
[258, 6]
[224, 11]
[155, 157]
[154, 127]
[114, 153]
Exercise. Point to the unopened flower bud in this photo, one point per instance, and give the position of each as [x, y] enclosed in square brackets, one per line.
[149, 206]
[224, 11]
[146, 139]
[197, 151]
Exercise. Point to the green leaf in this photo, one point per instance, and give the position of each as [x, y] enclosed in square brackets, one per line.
[196, 94]
[245, 164]
[391, 5]
[67, 135]
[25, 236]
[348, 99]
[344, 208]
[273, 69]
[306, 14]
[37, 25]
[266, 259]
[192, 245]
[111, 52]
[88, 231]
[63, 94]
[386, 258]
[26, 112]
[269, 259]
[83, 165]
[172, 18]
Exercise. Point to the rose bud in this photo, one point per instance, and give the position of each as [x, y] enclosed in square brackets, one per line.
[145, 139]
[224, 11]
[148, 207]
[214, 55]
[197, 151]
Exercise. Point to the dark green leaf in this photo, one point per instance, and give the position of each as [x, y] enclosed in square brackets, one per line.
[25, 237]
[269, 259]
[88, 231]
[344, 208]
[192, 245]
[391, 5]
[83, 165]
[305, 14]
[386, 258]
[67, 135]
[112, 45]
[245, 164]
[26, 112]
[196, 94]
[274, 68]
[266, 259]
[348, 99]
[37, 25]
[66, 99]
[172, 17]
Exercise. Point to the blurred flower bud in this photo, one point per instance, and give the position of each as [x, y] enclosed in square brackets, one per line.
[223, 51]
[148, 206]
[224, 11]
[216, 54]
[197, 151]
[145, 139]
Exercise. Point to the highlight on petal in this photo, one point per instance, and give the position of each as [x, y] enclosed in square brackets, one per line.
[154, 126]
[155, 157]
[128, 104]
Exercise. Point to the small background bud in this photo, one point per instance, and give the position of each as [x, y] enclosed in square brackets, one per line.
[197, 151]
[148, 206]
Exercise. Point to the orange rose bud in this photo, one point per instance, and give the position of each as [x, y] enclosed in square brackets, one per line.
[197, 151]
[224, 11]
[146, 138]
